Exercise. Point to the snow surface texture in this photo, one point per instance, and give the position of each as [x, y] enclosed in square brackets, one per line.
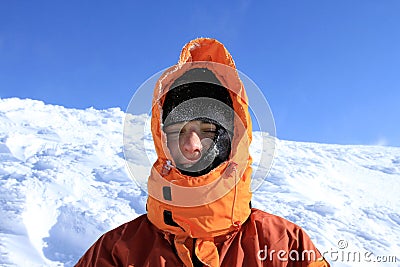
[63, 183]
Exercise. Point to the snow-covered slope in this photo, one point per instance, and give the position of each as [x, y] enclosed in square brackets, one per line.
[63, 182]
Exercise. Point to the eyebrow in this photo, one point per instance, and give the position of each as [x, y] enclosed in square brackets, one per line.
[176, 126]
[180, 125]
[208, 125]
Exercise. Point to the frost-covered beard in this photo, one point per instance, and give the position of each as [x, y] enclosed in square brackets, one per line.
[217, 153]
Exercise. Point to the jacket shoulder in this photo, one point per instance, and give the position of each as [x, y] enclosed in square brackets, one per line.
[278, 232]
[101, 253]
[272, 222]
[275, 233]
[128, 228]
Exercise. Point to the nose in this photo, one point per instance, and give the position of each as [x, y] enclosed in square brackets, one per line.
[191, 145]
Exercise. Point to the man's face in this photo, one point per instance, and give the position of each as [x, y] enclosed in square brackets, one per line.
[188, 141]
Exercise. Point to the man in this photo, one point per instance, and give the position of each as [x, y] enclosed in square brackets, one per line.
[199, 211]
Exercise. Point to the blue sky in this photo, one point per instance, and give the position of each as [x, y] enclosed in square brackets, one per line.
[330, 70]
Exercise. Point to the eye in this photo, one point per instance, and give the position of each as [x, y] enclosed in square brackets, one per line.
[173, 130]
[208, 127]
[173, 134]
[208, 132]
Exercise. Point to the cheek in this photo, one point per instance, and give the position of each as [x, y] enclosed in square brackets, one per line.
[206, 143]
[173, 146]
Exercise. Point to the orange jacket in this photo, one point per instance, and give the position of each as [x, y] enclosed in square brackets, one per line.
[205, 219]
[263, 240]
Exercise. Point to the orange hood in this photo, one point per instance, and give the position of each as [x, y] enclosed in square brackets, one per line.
[215, 203]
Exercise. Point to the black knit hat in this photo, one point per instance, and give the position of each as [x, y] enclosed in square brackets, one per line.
[199, 95]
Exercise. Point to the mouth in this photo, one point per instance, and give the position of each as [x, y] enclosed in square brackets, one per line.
[187, 163]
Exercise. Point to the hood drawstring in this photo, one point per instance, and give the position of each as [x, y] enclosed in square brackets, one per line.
[166, 168]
